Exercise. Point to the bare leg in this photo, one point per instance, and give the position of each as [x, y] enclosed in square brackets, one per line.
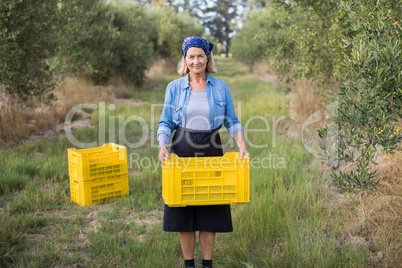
[207, 242]
[187, 241]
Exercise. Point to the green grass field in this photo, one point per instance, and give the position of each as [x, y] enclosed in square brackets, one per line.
[286, 224]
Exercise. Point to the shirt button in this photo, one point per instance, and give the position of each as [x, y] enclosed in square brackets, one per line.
[211, 125]
[212, 113]
[184, 105]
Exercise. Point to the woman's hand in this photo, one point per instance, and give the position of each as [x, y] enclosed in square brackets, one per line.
[163, 153]
[244, 152]
[239, 139]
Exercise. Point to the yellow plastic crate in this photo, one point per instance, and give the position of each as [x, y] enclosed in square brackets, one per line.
[100, 162]
[98, 190]
[197, 181]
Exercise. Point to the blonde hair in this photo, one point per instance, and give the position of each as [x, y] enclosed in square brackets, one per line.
[183, 69]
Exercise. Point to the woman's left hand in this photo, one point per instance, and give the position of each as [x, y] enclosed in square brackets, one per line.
[239, 139]
[244, 152]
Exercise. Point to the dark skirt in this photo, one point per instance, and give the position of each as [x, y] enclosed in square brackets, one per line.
[216, 218]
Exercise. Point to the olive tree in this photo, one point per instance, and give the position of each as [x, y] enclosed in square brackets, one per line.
[368, 106]
[28, 38]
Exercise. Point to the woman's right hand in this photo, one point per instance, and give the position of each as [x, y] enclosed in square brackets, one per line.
[163, 153]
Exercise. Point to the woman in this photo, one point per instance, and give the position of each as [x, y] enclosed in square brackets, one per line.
[196, 106]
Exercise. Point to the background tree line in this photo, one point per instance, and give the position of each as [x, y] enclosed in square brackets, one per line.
[42, 39]
[99, 40]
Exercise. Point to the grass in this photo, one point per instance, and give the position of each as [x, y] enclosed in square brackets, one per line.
[286, 224]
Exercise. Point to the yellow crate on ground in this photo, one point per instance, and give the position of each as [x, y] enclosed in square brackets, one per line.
[100, 162]
[91, 192]
[98, 174]
[197, 181]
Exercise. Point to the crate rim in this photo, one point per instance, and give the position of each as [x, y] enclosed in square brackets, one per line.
[178, 158]
[110, 143]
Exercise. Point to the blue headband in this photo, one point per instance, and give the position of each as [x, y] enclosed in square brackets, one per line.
[196, 41]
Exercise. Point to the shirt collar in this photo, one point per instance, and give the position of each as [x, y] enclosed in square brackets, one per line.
[210, 80]
[187, 84]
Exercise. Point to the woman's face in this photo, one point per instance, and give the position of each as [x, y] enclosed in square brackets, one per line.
[196, 60]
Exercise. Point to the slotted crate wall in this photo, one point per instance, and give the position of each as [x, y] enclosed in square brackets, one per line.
[98, 190]
[192, 181]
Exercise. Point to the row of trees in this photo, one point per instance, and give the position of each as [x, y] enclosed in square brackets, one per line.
[356, 43]
[102, 39]
[300, 38]
[42, 39]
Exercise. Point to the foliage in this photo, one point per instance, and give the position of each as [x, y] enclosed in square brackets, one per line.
[254, 4]
[246, 48]
[300, 38]
[94, 39]
[171, 29]
[27, 40]
[369, 104]
[106, 40]
[193, 7]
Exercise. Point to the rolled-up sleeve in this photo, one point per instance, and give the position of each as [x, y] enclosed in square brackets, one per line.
[165, 124]
[163, 139]
[231, 121]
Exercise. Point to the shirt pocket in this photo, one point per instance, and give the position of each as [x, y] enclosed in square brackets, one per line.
[220, 109]
[177, 115]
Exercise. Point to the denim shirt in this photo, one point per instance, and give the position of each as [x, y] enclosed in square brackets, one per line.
[220, 106]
